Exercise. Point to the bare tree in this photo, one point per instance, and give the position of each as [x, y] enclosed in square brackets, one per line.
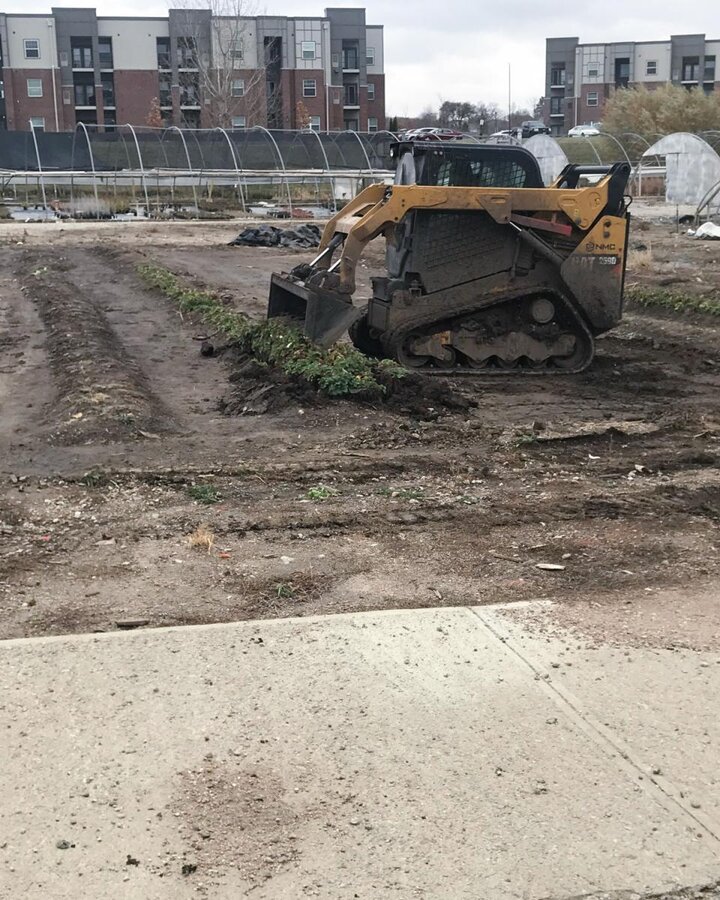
[220, 38]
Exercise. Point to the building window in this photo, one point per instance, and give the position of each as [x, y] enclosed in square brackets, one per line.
[690, 68]
[593, 73]
[108, 87]
[592, 98]
[351, 95]
[350, 58]
[622, 72]
[34, 87]
[315, 123]
[336, 60]
[165, 92]
[372, 123]
[186, 53]
[163, 53]
[239, 121]
[32, 48]
[236, 52]
[309, 87]
[238, 88]
[308, 49]
[84, 87]
[370, 56]
[556, 106]
[651, 67]
[557, 76]
[105, 54]
[371, 92]
[709, 73]
[82, 55]
[37, 123]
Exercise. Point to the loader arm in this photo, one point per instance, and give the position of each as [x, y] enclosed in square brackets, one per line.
[378, 208]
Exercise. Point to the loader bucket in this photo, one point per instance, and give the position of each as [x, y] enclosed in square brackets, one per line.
[324, 317]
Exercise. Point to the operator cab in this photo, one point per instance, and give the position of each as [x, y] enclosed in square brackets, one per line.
[465, 165]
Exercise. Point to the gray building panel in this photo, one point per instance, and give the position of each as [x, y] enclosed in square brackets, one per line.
[347, 26]
[74, 23]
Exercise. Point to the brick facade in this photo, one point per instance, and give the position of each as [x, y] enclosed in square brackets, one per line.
[134, 93]
[20, 107]
[376, 107]
[127, 59]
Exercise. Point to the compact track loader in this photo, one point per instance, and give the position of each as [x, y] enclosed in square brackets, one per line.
[487, 269]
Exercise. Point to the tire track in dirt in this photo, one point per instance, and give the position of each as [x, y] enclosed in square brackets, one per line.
[102, 395]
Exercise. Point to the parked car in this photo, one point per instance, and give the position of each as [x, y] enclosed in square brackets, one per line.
[585, 130]
[534, 127]
[508, 132]
[432, 134]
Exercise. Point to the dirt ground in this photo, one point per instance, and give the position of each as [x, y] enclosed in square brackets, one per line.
[114, 451]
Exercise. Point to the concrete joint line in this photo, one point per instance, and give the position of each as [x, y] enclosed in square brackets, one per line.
[661, 789]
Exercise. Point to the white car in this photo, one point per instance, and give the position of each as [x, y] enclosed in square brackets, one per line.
[584, 131]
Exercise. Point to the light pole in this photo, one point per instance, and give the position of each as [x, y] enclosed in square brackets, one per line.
[509, 96]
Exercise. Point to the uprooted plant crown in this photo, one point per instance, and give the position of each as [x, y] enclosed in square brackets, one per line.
[340, 371]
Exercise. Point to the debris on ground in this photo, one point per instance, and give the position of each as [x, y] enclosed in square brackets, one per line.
[302, 237]
[708, 231]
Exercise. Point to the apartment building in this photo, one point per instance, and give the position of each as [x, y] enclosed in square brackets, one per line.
[191, 69]
[580, 78]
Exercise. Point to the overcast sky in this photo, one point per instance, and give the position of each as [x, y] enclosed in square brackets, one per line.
[439, 50]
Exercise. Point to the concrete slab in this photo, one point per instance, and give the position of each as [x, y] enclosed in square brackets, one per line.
[404, 754]
[658, 706]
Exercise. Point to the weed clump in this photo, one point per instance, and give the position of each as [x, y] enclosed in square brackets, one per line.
[338, 372]
[204, 493]
[321, 492]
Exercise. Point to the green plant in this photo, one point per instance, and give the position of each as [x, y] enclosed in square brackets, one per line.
[204, 493]
[340, 371]
[411, 493]
[321, 492]
[674, 300]
[525, 438]
[95, 479]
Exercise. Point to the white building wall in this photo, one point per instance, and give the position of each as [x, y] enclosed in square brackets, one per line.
[590, 68]
[41, 28]
[309, 30]
[659, 53]
[374, 37]
[134, 41]
[244, 31]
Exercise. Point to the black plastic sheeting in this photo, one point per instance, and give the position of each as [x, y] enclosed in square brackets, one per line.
[171, 149]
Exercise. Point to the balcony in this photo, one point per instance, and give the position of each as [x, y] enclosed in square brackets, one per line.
[165, 99]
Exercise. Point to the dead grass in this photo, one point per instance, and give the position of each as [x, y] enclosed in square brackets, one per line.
[640, 259]
[272, 595]
[202, 539]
